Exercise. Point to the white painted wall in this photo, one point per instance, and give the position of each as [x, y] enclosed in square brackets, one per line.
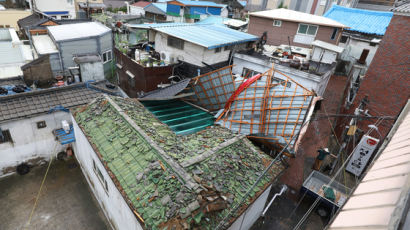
[192, 53]
[224, 12]
[323, 55]
[307, 80]
[248, 218]
[136, 10]
[56, 5]
[112, 203]
[354, 48]
[29, 142]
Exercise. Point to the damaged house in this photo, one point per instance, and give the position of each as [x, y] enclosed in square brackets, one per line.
[145, 176]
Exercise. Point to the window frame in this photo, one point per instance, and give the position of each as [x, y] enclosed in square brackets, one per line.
[7, 136]
[108, 53]
[100, 176]
[173, 41]
[274, 23]
[41, 124]
[307, 29]
[334, 34]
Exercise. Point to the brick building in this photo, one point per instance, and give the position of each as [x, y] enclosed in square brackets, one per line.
[300, 29]
[387, 81]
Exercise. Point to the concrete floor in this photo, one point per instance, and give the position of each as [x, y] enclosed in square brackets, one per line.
[285, 213]
[65, 202]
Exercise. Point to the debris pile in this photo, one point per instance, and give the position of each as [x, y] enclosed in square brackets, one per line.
[171, 181]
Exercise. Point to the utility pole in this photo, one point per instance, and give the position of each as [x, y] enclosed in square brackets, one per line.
[360, 108]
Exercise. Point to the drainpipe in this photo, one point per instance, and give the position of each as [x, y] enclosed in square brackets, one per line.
[128, 7]
[283, 189]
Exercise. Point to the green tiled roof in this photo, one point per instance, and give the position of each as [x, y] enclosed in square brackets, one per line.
[172, 180]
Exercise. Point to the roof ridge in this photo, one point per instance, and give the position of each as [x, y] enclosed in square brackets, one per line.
[176, 167]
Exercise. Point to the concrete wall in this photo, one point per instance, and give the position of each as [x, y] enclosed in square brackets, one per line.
[307, 80]
[279, 35]
[248, 218]
[111, 201]
[354, 47]
[30, 144]
[10, 17]
[92, 71]
[136, 10]
[192, 53]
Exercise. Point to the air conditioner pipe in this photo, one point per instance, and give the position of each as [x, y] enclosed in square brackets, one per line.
[283, 189]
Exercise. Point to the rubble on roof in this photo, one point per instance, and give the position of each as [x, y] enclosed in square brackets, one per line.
[173, 181]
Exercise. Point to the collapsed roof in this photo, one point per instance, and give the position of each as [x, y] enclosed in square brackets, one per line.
[269, 106]
[169, 180]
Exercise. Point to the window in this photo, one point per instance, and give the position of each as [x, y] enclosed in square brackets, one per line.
[175, 42]
[41, 124]
[65, 17]
[343, 39]
[228, 48]
[5, 136]
[217, 50]
[100, 176]
[333, 37]
[107, 56]
[277, 23]
[307, 29]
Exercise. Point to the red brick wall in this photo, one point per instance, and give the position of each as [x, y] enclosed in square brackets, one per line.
[387, 81]
[279, 35]
[317, 135]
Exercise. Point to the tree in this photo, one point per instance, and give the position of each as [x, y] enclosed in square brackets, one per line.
[281, 5]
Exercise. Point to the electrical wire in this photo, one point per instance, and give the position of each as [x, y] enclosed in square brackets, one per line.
[302, 220]
[41, 188]
[235, 208]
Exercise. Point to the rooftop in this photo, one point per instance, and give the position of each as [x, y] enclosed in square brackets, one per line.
[327, 46]
[403, 8]
[363, 21]
[77, 31]
[197, 3]
[161, 6]
[381, 197]
[170, 179]
[36, 102]
[296, 16]
[43, 44]
[141, 4]
[209, 36]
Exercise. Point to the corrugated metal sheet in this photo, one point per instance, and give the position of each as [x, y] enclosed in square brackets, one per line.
[272, 108]
[380, 199]
[364, 21]
[209, 36]
[69, 49]
[10, 53]
[5, 35]
[157, 8]
[44, 45]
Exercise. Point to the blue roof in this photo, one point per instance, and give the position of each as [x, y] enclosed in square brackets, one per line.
[364, 21]
[210, 36]
[214, 20]
[200, 3]
[243, 3]
[160, 6]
